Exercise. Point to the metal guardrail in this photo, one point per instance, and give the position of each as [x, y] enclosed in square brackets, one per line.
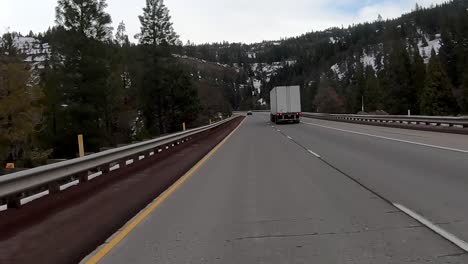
[429, 121]
[255, 111]
[456, 125]
[15, 186]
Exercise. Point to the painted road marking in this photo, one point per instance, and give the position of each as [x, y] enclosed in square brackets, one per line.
[313, 153]
[445, 234]
[278, 130]
[109, 246]
[290, 138]
[391, 139]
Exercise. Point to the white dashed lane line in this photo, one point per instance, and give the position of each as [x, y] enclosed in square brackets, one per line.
[297, 143]
[313, 153]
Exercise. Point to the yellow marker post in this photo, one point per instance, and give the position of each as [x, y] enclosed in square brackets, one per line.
[183, 126]
[81, 146]
[10, 166]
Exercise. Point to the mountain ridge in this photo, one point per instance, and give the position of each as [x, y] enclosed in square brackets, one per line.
[342, 56]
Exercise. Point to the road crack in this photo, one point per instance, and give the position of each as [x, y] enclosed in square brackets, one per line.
[272, 236]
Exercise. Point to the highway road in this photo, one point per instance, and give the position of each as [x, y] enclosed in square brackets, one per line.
[316, 192]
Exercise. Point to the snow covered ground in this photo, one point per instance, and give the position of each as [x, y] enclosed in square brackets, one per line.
[36, 52]
[370, 59]
[336, 69]
[263, 72]
[257, 84]
[251, 55]
[426, 51]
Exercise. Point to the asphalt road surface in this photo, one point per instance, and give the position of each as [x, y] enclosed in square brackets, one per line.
[316, 192]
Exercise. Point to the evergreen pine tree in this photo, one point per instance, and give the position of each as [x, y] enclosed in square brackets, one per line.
[7, 45]
[121, 36]
[182, 101]
[156, 25]
[81, 40]
[418, 77]
[85, 17]
[448, 57]
[401, 95]
[373, 94]
[465, 93]
[122, 110]
[437, 97]
[327, 100]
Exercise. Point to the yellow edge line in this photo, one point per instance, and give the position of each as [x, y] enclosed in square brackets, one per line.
[156, 203]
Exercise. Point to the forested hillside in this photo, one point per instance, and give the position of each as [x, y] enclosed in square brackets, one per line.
[81, 76]
[418, 62]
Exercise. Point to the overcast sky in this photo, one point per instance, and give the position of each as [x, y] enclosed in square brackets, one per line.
[203, 21]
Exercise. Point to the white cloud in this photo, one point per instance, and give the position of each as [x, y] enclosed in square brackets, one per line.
[218, 20]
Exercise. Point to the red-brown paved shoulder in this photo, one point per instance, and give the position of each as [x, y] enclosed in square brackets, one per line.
[65, 227]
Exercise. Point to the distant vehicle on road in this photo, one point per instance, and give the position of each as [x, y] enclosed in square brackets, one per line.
[249, 113]
[285, 104]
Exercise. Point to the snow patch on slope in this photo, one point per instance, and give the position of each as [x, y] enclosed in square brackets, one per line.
[35, 52]
[257, 84]
[369, 60]
[251, 55]
[426, 51]
[266, 70]
[336, 69]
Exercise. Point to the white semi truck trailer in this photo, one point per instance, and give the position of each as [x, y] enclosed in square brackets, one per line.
[285, 103]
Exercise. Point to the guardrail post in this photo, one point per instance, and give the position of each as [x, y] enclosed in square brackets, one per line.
[54, 188]
[83, 177]
[105, 168]
[14, 202]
